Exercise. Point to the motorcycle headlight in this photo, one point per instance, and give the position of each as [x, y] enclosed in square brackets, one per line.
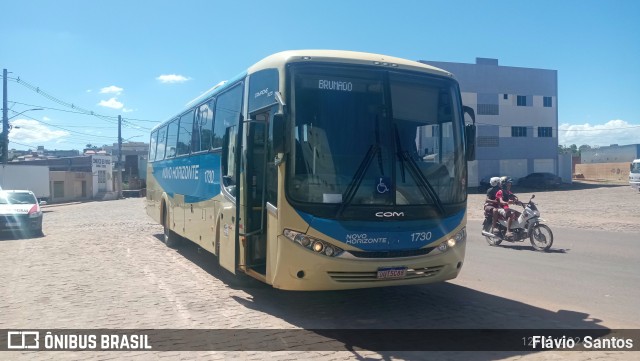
[316, 245]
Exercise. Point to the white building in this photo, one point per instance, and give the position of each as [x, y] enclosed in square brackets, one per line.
[516, 116]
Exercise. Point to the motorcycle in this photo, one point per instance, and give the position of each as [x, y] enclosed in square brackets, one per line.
[527, 225]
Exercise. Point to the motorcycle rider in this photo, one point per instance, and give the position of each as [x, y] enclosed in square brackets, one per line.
[492, 203]
[507, 197]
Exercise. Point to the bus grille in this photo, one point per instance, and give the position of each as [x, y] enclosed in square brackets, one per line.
[392, 254]
[412, 273]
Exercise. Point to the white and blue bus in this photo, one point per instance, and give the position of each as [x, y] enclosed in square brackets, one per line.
[320, 170]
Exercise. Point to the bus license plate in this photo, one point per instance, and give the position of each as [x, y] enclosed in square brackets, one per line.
[391, 273]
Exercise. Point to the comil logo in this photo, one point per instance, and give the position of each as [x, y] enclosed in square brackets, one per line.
[23, 340]
[389, 214]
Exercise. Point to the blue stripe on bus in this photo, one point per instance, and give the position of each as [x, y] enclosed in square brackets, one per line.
[197, 177]
[385, 236]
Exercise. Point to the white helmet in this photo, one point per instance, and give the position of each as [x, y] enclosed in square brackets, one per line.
[494, 181]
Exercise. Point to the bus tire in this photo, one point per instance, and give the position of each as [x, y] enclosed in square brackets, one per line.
[170, 239]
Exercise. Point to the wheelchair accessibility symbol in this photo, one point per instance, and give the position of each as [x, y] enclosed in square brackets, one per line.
[383, 185]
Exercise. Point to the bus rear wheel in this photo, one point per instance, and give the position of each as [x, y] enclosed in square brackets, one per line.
[170, 239]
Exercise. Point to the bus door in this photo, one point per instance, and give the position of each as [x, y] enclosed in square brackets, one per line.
[253, 237]
[228, 121]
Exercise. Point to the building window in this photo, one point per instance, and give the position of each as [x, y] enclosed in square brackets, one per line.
[488, 109]
[488, 141]
[546, 101]
[506, 96]
[518, 131]
[58, 189]
[545, 132]
[522, 100]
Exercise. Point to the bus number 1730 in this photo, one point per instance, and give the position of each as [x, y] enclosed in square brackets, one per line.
[420, 236]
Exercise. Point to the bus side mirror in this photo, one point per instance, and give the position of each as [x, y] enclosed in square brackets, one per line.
[470, 134]
[225, 148]
[279, 131]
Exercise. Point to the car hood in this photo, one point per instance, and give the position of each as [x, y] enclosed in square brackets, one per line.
[15, 208]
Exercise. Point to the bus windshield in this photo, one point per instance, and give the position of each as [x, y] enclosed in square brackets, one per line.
[371, 138]
[635, 167]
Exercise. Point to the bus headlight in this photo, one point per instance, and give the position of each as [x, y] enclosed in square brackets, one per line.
[314, 244]
[459, 237]
[318, 246]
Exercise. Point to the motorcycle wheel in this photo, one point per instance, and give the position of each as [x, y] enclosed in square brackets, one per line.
[493, 241]
[541, 237]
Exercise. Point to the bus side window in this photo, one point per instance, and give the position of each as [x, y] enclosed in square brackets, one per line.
[203, 127]
[227, 118]
[153, 142]
[185, 136]
[172, 138]
[162, 143]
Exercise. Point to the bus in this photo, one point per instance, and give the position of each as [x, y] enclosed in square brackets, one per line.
[320, 170]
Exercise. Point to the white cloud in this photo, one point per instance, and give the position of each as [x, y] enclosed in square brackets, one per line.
[112, 103]
[33, 132]
[172, 78]
[612, 132]
[127, 110]
[111, 90]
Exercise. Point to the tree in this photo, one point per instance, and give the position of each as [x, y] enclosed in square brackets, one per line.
[574, 149]
[584, 147]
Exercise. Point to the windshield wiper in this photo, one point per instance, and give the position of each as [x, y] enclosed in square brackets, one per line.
[423, 183]
[351, 191]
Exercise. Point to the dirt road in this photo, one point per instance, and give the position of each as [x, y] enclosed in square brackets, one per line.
[584, 205]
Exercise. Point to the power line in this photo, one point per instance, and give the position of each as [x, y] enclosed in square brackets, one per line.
[71, 111]
[81, 110]
[55, 126]
[91, 138]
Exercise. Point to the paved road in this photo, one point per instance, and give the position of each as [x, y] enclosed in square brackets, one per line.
[595, 272]
[102, 265]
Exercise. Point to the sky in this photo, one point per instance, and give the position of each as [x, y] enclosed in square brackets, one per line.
[74, 66]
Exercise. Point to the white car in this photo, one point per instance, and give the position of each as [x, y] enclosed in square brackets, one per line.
[20, 213]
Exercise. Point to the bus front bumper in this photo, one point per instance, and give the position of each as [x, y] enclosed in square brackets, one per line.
[301, 269]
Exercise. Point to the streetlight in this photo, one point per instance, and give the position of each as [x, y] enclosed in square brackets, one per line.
[128, 139]
[5, 132]
[24, 111]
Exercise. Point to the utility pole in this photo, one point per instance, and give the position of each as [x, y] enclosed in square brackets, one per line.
[5, 119]
[119, 163]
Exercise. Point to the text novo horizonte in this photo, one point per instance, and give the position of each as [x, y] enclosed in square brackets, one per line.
[184, 172]
[363, 238]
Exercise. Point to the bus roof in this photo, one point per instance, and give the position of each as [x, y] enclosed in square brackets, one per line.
[279, 60]
[342, 56]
